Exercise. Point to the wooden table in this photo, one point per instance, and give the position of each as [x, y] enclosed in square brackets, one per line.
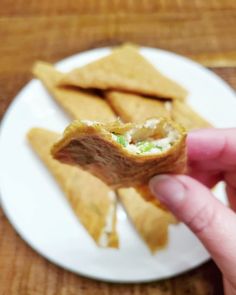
[52, 30]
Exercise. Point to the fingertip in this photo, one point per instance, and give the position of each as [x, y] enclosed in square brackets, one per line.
[210, 220]
[167, 189]
[155, 180]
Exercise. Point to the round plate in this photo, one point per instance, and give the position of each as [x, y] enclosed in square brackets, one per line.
[38, 210]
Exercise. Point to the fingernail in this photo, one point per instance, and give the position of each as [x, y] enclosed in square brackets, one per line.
[167, 189]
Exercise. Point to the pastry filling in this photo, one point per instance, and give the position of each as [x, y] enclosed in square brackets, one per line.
[149, 145]
[108, 228]
[145, 139]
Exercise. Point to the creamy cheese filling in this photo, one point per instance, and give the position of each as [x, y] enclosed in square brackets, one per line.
[148, 146]
[89, 123]
[152, 123]
[108, 228]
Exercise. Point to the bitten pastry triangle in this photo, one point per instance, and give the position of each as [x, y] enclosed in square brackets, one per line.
[125, 69]
[124, 154]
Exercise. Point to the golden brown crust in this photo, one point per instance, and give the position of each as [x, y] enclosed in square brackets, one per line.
[135, 108]
[146, 194]
[150, 221]
[183, 114]
[92, 148]
[87, 195]
[78, 103]
[125, 69]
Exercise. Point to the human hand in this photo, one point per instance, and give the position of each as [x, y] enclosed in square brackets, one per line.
[212, 157]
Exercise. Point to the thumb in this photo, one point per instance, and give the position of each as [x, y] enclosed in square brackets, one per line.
[212, 222]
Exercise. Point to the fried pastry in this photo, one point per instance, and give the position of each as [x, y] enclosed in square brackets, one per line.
[151, 222]
[124, 155]
[78, 103]
[135, 108]
[93, 202]
[183, 114]
[125, 69]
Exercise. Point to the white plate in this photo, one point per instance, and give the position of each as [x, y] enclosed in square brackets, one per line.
[38, 210]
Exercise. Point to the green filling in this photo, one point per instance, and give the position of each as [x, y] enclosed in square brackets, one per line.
[121, 140]
[145, 146]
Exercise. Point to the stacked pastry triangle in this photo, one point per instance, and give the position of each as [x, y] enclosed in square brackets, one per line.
[125, 69]
[92, 201]
[126, 85]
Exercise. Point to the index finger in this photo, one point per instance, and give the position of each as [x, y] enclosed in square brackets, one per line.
[212, 149]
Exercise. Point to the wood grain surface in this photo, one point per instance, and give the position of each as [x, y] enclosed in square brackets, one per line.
[52, 30]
